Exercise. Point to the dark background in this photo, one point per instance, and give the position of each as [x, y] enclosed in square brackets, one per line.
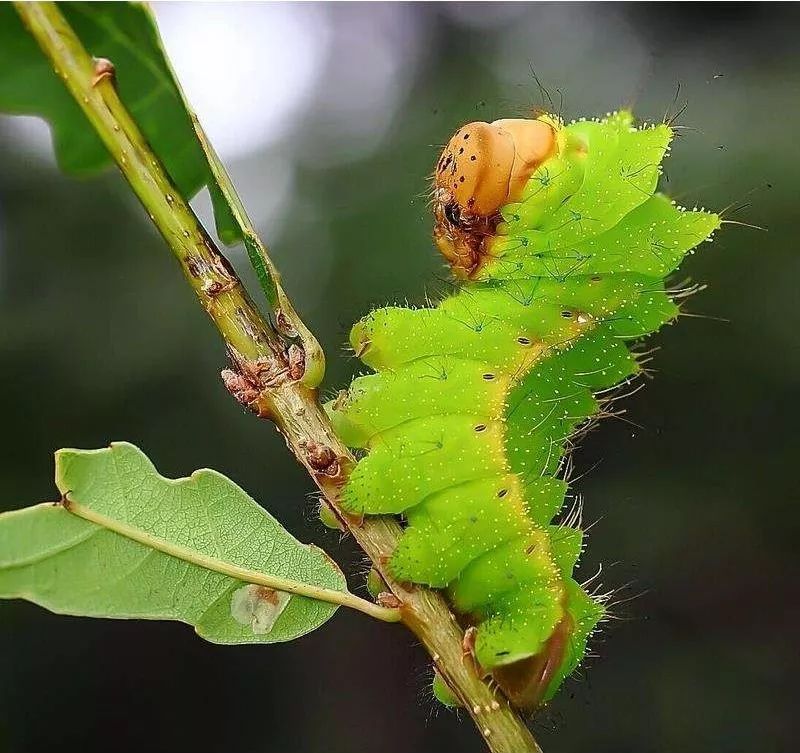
[697, 511]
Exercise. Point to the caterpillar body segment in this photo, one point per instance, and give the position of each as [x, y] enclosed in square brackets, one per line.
[562, 247]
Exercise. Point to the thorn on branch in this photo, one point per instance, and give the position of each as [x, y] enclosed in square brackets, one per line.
[321, 458]
[103, 69]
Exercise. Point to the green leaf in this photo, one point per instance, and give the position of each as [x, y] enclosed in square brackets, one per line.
[126, 34]
[129, 543]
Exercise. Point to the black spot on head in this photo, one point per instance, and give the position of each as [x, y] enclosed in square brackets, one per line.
[472, 158]
[466, 136]
[452, 213]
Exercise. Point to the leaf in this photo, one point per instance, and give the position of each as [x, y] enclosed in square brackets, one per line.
[157, 548]
[127, 35]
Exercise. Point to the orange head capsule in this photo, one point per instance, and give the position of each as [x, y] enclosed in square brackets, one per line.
[482, 168]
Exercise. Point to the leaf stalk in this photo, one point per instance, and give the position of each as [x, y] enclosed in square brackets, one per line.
[330, 595]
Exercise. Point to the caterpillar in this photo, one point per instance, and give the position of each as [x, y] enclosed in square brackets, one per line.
[559, 244]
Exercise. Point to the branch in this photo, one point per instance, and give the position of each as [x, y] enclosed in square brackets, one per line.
[268, 373]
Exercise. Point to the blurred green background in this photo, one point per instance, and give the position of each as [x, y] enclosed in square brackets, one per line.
[330, 117]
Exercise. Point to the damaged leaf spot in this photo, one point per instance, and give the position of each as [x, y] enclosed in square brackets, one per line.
[258, 607]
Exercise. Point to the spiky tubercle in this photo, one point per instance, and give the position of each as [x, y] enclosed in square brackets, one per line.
[474, 401]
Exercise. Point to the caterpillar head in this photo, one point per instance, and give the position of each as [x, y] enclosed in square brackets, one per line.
[483, 167]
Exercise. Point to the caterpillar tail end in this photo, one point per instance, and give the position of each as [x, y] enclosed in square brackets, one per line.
[526, 682]
[530, 683]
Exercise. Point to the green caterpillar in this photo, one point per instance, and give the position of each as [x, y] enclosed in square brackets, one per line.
[561, 246]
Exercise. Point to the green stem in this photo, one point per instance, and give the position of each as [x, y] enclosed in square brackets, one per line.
[344, 598]
[292, 405]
